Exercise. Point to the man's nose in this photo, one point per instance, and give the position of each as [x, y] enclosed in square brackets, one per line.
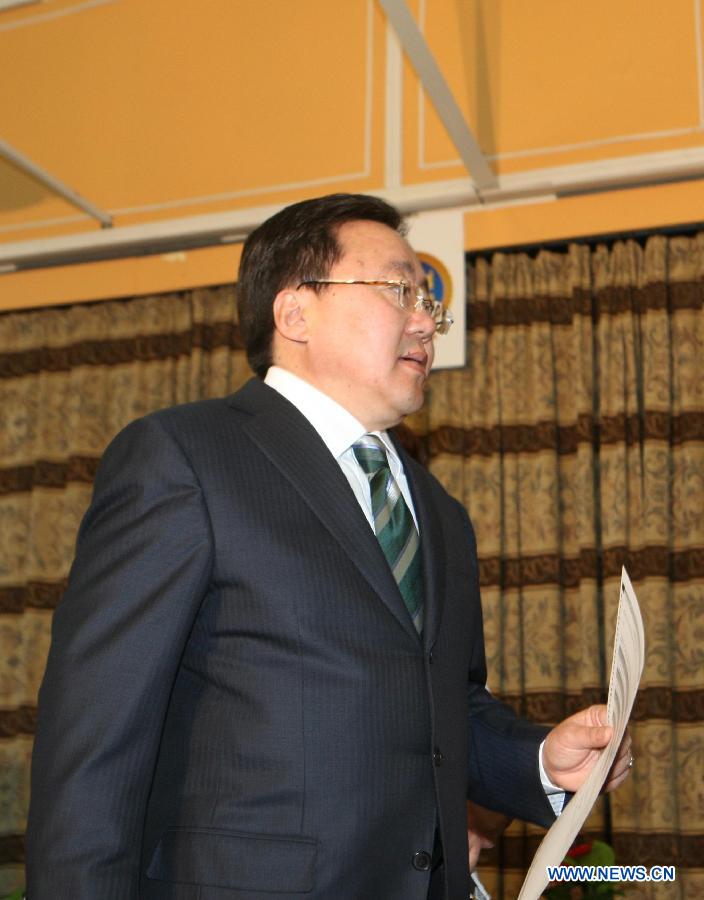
[421, 322]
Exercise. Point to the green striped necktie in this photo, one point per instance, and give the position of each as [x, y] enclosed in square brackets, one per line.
[393, 524]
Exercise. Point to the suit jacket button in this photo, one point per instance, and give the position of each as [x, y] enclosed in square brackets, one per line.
[430, 657]
[421, 861]
[437, 757]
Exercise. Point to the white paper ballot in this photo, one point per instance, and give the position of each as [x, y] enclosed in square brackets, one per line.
[626, 669]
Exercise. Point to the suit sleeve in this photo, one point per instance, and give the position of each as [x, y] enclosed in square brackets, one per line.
[143, 561]
[504, 772]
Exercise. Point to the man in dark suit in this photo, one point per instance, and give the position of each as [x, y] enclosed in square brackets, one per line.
[267, 677]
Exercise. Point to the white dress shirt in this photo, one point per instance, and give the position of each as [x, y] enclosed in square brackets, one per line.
[339, 430]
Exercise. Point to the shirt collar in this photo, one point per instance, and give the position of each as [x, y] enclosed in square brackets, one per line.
[336, 426]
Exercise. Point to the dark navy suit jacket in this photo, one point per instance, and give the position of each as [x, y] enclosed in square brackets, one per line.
[236, 703]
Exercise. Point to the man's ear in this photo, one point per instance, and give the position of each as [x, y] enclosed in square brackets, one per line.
[290, 315]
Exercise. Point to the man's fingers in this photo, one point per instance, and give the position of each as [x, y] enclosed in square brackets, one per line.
[621, 768]
[591, 736]
[602, 735]
[617, 777]
[572, 748]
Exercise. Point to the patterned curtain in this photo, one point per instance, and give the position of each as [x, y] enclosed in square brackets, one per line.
[575, 437]
[70, 379]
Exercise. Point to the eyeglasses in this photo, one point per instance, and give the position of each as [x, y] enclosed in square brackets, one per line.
[408, 296]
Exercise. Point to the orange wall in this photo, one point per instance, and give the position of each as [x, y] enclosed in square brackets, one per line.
[169, 109]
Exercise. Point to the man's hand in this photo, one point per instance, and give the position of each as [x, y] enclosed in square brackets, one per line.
[573, 746]
[484, 828]
[476, 842]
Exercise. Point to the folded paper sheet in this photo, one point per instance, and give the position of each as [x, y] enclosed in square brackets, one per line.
[626, 669]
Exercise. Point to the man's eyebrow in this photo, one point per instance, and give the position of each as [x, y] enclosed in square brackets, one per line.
[402, 265]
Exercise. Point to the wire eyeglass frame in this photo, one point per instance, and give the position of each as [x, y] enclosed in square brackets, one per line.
[409, 296]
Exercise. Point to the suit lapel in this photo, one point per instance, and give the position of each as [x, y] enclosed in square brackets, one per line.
[431, 542]
[291, 443]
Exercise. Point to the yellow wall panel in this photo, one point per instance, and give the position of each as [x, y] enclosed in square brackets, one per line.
[120, 278]
[593, 214]
[558, 81]
[174, 104]
[163, 109]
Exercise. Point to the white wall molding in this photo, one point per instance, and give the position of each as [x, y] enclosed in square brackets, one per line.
[393, 112]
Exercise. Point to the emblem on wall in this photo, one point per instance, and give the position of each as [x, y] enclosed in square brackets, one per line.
[438, 277]
[438, 239]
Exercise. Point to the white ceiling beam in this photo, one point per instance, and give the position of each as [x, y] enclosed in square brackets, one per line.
[13, 4]
[55, 186]
[423, 61]
[212, 229]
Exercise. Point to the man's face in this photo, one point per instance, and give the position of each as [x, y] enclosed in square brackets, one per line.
[363, 349]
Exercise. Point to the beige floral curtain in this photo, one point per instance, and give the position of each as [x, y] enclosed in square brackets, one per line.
[575, 437]
[70, 379]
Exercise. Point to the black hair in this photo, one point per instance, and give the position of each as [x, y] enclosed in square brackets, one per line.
[297, 244]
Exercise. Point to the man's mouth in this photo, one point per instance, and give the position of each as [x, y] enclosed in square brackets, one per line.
[418, 357]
